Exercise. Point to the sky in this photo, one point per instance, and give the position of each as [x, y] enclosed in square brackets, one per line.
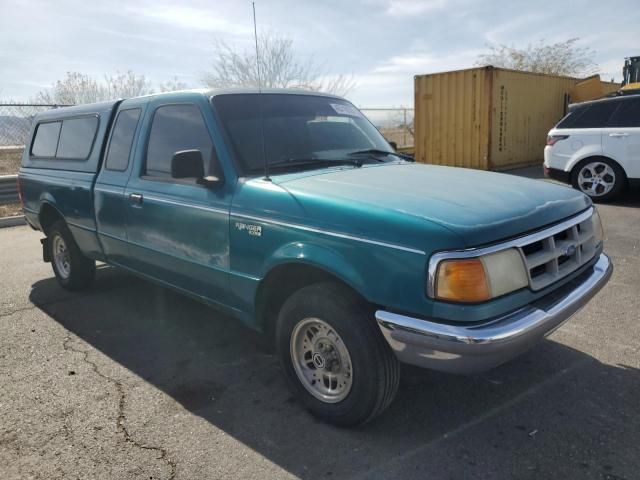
[382, 44]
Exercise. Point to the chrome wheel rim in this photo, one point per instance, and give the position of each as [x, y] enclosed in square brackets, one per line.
[596, 179]
[321, 360]
[61, 256]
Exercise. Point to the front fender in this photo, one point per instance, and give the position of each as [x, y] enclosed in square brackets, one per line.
[318, 256]
[245, 289]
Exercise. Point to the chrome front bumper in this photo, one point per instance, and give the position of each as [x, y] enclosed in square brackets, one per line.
[467, 349]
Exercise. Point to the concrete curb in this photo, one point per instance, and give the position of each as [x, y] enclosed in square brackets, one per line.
[12, 221]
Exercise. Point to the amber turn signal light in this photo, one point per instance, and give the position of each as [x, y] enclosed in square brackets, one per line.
[462, 281]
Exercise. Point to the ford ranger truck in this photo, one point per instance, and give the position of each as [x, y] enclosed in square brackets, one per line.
[289, 211]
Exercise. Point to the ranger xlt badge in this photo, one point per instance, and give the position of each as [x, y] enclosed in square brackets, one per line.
[255, 230]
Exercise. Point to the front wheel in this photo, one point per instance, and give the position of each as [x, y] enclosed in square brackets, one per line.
[73, 270]
[600, 178]
[334, 356]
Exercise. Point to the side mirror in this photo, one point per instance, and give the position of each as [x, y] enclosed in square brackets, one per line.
[190, 164]
[394, 145]
[187, 164]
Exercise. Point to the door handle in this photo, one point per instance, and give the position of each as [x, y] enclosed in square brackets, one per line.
[618, 135]
[135, 197]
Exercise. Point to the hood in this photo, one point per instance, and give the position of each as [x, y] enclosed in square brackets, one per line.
[478, 207]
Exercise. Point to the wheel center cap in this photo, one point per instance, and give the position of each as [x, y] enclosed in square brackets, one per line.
[318, 360]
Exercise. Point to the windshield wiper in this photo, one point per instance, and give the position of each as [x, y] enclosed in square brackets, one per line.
[376, 151]
[311, 162]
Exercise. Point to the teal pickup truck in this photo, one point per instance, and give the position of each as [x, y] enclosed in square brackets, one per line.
[289, 211]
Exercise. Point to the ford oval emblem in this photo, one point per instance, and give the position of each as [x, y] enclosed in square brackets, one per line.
[571, 249]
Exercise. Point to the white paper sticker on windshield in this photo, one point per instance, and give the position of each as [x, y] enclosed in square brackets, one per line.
[342, 109]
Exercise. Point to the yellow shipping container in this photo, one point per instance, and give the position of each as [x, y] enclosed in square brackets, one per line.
[487, 118]
[591, 88]
[610, 87]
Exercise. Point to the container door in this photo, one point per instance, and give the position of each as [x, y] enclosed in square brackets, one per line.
[178, 230]
[621, 137]
[109, 200]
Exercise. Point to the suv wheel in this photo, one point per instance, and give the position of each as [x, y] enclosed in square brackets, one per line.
[73, 270]
[600, 178]
[334, 356]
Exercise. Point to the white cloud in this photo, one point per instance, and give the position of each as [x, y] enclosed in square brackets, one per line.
[611, 69]
[390, 82]
[405, 63]
[517, 27]
[402, 8]
[418, 63]
[191, 18]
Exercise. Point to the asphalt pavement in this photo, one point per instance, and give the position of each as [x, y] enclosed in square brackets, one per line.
[131, 380]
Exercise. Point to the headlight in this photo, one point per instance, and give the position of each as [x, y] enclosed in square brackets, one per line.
[598, 231]
[480, 278]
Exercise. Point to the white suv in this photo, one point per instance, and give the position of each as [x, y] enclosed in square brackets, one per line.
[596, 147]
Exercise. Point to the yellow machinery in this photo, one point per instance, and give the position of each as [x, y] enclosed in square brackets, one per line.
[630, 76]
[592, 87]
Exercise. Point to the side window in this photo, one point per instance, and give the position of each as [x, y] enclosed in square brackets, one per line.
[45, 142]
[124, 130]
[175, 128]
[76, 137]
[595, 115]
[569, 119]
[627, 115]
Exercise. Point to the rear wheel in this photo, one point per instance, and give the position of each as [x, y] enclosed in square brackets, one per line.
[600, 178]
[335, 359]
[73, 270]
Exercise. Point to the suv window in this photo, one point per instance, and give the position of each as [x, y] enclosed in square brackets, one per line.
[45, 142]
[124, 130]
[627, 115]
[594, 115]
[175, 128]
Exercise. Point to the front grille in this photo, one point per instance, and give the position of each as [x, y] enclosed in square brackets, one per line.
[551, 257]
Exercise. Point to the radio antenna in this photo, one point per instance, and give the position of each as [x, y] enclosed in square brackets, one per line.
[264, 148]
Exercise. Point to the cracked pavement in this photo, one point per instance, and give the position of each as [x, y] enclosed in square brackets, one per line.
[129, 380]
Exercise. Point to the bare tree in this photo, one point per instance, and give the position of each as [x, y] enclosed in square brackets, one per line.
[78, 88]
[126, 85]
[280, 67]
[172, 85]
[560, 58]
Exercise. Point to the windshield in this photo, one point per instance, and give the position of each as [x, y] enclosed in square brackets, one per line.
[296, 127]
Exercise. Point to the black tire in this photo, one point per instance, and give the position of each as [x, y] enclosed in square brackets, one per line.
[81, 270]
[619, 182]
[375, 369]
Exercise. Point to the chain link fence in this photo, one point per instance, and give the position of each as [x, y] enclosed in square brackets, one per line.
[15, 123]
[396, 124]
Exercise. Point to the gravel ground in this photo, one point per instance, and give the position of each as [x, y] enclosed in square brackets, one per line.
[130, 380]
[10, 210]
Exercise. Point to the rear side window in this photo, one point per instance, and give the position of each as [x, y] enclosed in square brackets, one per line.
[595, 115]
[627, 115]
[69, 139]
[175, 128]
[45, 142]
[77, 137]
[121, 140]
